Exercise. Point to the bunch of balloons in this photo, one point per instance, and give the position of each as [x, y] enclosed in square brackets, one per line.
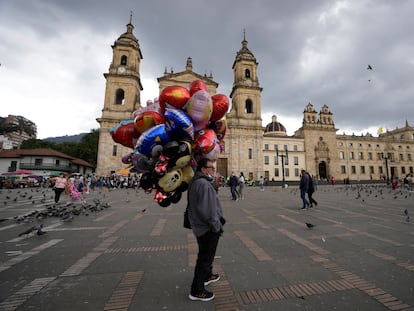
[170, 135]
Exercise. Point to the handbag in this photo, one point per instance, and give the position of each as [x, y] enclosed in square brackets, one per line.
[187, 223]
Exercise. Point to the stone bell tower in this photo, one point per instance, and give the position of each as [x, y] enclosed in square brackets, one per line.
[244, 137]
[122, 98]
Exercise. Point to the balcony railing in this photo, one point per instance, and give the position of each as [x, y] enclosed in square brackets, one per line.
[46, 167]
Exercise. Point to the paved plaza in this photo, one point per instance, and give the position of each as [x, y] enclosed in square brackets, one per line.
[136, 255]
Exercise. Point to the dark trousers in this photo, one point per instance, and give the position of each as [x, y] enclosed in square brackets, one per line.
[311, 200]
[234, 194]
[58, 192]
[207, 245]
[303, 197]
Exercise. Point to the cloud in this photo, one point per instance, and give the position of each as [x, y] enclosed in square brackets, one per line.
[54, 53]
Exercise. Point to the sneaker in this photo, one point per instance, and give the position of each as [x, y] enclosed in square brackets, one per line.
[213, 278]
[203, 296]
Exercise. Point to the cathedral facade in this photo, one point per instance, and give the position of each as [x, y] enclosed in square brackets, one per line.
[248, 146]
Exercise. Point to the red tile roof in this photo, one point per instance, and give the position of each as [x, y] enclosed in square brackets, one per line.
[17, 153]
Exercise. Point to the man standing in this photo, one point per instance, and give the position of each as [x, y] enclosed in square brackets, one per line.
[206, 219]
[304, 185]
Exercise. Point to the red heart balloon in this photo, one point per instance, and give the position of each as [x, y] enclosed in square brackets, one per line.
[124, 133]
[196, 86]
[175, 96]
[220, 106]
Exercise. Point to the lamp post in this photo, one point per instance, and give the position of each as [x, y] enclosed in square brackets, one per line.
[283, 156]
[385, 156]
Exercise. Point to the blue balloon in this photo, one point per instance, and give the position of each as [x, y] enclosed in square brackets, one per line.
[156, 135]
[179, 124]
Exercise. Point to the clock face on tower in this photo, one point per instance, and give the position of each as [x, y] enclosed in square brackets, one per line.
[121, 69]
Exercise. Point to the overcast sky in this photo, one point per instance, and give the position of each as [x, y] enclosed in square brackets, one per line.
[53, 54]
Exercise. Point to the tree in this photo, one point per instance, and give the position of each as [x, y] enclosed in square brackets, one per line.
[86, 149]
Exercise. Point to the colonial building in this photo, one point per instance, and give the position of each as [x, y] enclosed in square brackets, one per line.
[248, 146]
[42, 162]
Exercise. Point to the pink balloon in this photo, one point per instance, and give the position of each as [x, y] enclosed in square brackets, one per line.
[199, 107]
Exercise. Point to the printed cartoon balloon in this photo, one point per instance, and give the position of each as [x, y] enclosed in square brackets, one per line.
[183, 155]
[151, 106]
[175, 96]
[199, 107]
[196, 86]
[179, 124]
[176, 196]
[205, 141]
[220, 106]
[147, 181]
[141, 162]
[124, 133]
[219, 127]
[170, 181]
[170, 149]
[165, 202]
[187, 175]
[156, 135]
[213, 154]
[147, 119]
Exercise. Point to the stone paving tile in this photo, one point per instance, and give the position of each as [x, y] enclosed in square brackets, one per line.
[262, 231]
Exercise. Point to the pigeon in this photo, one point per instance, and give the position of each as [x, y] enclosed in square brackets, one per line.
[309, 225]
[406, 212]
[39, 230]
[407, 219]
[28, 231]
[369, 67]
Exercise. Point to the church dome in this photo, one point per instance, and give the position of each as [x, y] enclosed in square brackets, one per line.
[275, 128]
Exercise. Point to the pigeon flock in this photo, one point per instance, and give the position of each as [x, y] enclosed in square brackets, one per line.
[44, 198]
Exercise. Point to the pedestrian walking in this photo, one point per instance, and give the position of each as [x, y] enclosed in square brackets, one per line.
[59, 187]
[241, 183]
[304, 185]
[75, 194]
[261, 183]
[206, 219]
[233, 186]
[311, 190]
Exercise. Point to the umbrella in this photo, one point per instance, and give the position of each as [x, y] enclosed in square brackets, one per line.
[124, 171]
[19, 172]
[34, 176]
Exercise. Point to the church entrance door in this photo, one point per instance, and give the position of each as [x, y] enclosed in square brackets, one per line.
[322, 170]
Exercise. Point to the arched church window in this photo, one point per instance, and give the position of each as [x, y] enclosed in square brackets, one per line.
[247, 73]
[120, 97]
[124, 60]
[249, 106]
